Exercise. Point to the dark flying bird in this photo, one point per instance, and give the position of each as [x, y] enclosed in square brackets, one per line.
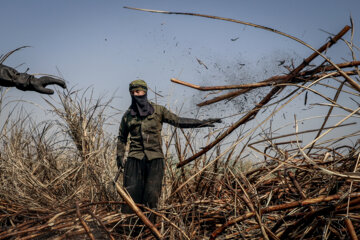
[234, 39]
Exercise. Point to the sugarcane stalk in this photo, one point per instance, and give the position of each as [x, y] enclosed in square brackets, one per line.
[130, 202]
[101, 224]
[252, 113]
[328, 115]
[278, 208]
[267, 82]
[83, 223]
[350, 228]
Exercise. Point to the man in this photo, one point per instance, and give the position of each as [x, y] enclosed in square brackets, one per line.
[9, 77]
[144, 168]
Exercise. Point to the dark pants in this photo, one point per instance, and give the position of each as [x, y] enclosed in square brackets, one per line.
[143, 181]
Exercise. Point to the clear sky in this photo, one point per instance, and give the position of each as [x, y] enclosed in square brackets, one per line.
[101, 44]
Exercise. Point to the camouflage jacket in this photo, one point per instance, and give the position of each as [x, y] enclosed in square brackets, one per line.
[145, 132]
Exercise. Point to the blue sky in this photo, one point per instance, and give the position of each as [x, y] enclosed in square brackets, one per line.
[101, 44]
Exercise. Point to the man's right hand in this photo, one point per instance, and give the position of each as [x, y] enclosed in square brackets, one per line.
[120, 162]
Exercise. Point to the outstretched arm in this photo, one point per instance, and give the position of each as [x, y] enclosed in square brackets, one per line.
[9, 77]
[181, 122]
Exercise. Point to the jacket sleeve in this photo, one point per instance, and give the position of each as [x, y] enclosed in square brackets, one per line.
[122, 138]
[173, 119]
[9, 77]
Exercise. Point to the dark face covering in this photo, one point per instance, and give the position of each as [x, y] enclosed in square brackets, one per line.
[140, 106]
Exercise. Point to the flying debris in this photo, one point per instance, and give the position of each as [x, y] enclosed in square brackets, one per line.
[201, 63]
[281, 62]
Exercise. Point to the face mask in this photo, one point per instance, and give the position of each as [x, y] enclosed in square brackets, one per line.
[141, 106]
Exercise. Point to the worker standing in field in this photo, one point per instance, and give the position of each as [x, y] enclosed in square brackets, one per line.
[144, 167]
[9, 77]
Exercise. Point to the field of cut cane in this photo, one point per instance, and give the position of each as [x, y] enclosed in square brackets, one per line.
[56, 176]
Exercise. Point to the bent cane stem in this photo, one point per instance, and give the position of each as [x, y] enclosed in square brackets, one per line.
[137, 211]
[252, 113]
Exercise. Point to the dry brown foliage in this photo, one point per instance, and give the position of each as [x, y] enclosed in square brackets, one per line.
[56, 175]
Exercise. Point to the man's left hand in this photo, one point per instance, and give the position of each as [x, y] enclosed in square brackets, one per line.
[210, 122]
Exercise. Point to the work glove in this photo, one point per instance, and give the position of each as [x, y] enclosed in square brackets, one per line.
[9, 77]
[210, 122]
[26, 82]
[120, 162]
[39, 84]
[196, 123]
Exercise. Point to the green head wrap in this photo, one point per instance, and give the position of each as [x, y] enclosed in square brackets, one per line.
[138, 85]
